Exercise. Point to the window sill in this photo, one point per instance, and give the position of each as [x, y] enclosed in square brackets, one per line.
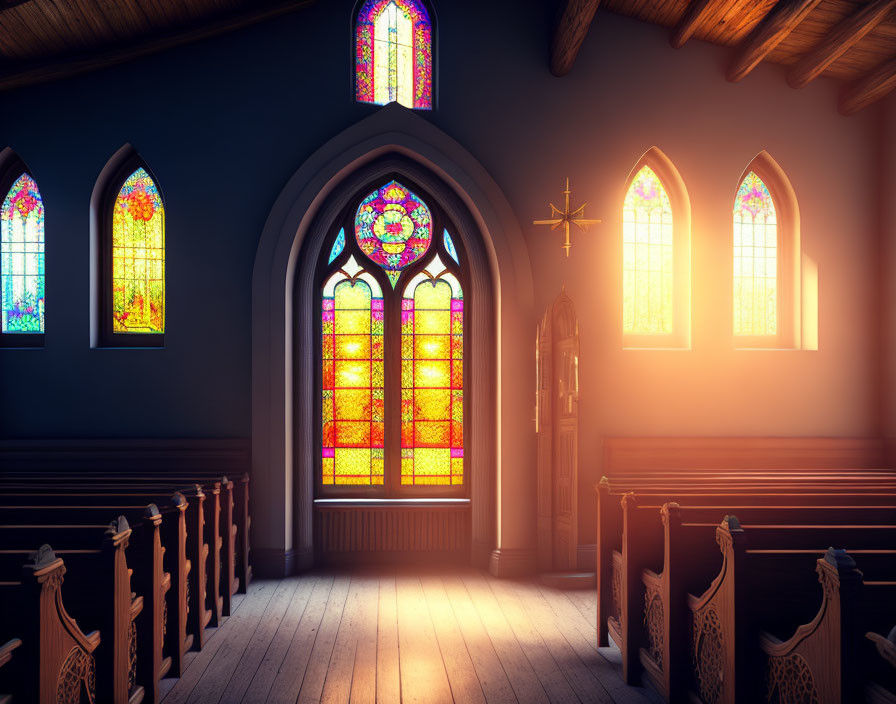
[392, 502]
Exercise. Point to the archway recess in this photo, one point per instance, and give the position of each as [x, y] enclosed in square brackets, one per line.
[503, 495]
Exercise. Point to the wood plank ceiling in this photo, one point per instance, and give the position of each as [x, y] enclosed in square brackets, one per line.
[43, 40]
[853, 41]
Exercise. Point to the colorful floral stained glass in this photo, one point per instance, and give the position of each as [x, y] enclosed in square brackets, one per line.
[432, 383]
[647, 259]
[338, 245]
[22, 258]
[393, 53]
[138, 257]
[449, 247]
[352, 399]
[755, 259]
[393, 228]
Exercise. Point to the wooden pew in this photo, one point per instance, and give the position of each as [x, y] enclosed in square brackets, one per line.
[56, 658]
[157, 533]
[636, 589]
[762, 586]
[636, 586]
[217, 519]
[192, 569]
[880, 659]
[6, 651]
[99, 593]
[236, 520]
[609, 518]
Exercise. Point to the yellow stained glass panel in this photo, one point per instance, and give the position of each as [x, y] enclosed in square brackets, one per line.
[755, 259]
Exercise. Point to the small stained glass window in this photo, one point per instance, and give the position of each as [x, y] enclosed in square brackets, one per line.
[393, 53]
[22, 258]
[449, 247]
[138, 257]
[432, 381]
[647, 260]
[755, 259]
[393, 228]
[338, 245]
[352, 398]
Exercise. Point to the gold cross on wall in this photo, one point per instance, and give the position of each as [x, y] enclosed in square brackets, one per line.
[565, 217]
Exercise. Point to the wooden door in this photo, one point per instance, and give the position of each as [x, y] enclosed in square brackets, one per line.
[558, 430]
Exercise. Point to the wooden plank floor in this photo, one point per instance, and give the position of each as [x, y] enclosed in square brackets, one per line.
[405, 635]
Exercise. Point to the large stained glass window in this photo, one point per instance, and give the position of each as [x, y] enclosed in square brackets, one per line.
[755, 259]
[393, 228]
[22, 258]
[138, 257]
[352, 397]
[432, 378]
[648, 257]
[393, 53]
[393, 351]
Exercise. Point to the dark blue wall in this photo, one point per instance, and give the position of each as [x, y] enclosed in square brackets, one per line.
[224, 123]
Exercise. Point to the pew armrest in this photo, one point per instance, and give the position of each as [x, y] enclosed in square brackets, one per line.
[6, 650]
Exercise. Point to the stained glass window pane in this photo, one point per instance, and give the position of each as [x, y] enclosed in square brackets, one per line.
[138, 257]
[393, 53]
[755, 259]
[393, 228]
[352, 398]
[338, 245]
[647, 257]
[449, 247]
[432, 343]
[22, 258]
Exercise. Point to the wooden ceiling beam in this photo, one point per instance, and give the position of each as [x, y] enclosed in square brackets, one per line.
[569, 34]
[780, 22]
[700, 16]
[29, 73]
[845, 35]
[868, 89]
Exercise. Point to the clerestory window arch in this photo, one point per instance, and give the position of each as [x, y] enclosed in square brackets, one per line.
[391, 282]
[22, 251]
[393, 53]
[765, 244]
[129, 221]
[656, 237]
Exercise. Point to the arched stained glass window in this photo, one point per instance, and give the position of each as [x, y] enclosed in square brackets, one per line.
[352, 398]
[648, 261]
[392, 351]
[138, 257]
[22, 258]
[393, 53]
[432, 378]
[755, 259]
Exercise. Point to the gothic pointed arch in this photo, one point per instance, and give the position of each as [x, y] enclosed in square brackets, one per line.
[766, 258]
[22, 255]
[127, 222]
[656, 255]
[299, 234]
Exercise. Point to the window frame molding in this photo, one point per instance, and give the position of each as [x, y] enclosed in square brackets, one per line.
[102, 203]
[788, 335]
[433, 52]
[391, 489]
[12, 166]
[680, 338]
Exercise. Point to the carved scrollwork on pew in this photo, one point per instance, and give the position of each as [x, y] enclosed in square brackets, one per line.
[790, 681]
[616, 586]
[132, 656]
[78, 674]
[707, 654]
[187, 595]
[653, 623]
[164, 618]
